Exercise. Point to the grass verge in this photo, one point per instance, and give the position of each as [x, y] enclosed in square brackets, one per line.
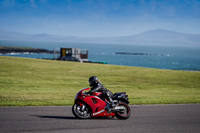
[37, 82]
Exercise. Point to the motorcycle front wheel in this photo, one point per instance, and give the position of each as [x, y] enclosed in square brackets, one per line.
[81, 111]
[124, 112]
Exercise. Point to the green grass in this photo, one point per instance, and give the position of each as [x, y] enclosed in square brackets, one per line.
[37, 82]
[20, 48]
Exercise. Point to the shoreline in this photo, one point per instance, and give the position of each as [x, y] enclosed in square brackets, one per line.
[23, 50]
[187, 70]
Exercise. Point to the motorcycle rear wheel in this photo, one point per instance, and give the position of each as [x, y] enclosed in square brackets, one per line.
[125, 113]
[81, 113]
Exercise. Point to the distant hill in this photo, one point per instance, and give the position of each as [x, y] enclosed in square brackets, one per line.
[161, 37]
[152, 37]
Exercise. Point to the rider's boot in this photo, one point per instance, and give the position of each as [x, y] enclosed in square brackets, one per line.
[108, 107]
[112, 104]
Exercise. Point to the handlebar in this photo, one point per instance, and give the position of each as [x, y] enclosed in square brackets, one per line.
[87, 93]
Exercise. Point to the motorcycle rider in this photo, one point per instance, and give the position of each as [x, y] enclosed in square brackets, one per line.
[96, 85]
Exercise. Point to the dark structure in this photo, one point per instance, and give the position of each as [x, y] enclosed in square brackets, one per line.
[74, 54]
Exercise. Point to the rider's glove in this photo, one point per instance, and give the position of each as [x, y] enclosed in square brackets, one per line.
[88, 92]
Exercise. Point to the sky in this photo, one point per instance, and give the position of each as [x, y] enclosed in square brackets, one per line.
[99, 18]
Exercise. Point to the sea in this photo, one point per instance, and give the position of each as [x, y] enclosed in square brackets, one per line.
[162, 57]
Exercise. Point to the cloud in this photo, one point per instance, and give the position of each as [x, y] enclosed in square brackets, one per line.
[99, 17]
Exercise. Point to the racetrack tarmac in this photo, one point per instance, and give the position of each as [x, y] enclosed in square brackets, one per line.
[144, 118]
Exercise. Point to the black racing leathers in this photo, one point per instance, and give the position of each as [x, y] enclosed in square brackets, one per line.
[105, 92]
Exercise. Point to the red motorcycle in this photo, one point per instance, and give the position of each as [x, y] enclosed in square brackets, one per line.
[92, 106]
